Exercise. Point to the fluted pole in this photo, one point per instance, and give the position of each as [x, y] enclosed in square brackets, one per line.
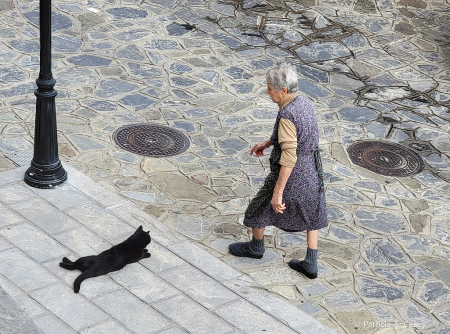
[46, 170]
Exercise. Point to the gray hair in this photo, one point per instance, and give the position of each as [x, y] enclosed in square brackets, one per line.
[283, 75]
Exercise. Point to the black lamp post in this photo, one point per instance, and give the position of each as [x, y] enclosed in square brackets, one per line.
[46, 170]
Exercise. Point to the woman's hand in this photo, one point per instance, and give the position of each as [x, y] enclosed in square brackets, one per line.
[259, 148]
[277, 203]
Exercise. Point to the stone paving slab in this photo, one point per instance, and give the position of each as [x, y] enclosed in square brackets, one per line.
[71, 308]
[22, 271]
[179, 289]
[250, 319]
[187, 313]
[13, 319]
[33, 242]
[204, 261]
[106, 327]
[82, 241]
[53, 323]
[31, 307]
[94, 217]
[199, 286]
[139, 316]
[43, 214]
[145, 285]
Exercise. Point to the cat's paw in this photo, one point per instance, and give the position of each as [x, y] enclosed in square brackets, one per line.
[144, 255]
[68, 266]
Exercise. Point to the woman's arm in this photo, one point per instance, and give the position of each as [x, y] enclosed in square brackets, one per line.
[287, 137]
[277, 197]
[259, 148]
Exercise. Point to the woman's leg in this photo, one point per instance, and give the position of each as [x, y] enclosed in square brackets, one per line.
[258, 233]
[308, 266]
[312, 238]
[254, 248]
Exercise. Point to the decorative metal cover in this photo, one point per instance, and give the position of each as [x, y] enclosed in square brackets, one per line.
[151, 140]
[385, 158]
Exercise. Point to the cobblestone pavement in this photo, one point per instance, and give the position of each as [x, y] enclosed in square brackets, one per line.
[374, 70]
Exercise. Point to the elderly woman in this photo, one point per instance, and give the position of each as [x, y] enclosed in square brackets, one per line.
[292, 197]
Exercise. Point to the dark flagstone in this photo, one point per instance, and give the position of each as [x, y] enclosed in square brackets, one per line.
[59, 21]
[127, 13]
[88, 60]
[137, 101]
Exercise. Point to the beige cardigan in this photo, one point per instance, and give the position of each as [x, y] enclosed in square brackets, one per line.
[287, 137]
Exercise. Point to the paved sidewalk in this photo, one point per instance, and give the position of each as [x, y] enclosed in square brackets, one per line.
[179, 289]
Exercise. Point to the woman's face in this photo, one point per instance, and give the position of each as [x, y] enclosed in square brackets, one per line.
[276, 95]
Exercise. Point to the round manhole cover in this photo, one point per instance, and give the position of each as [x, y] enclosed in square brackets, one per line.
[151, 140]
[385, 158]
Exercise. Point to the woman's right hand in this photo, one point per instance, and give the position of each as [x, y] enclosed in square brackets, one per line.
[259, 148]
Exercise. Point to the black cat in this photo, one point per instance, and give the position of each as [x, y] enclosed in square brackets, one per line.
[118, 256]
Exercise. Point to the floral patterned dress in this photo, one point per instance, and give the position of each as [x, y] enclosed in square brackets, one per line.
[304, 194]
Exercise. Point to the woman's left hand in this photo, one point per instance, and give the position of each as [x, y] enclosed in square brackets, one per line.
[277, 203]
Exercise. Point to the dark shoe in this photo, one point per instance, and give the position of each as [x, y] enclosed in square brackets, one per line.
[242, 249]
[298, 266]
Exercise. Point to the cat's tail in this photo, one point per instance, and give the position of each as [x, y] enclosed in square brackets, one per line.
[67, 264]
[78, 280]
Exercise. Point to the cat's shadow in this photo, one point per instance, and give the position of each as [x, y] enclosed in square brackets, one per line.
[129, 251]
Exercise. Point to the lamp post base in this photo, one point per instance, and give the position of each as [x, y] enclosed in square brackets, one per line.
[45, 177]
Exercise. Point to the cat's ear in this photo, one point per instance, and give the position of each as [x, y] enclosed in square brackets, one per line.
[148, 232]
[140, 228]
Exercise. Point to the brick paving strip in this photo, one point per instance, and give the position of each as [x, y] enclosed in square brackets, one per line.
[180, 288]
